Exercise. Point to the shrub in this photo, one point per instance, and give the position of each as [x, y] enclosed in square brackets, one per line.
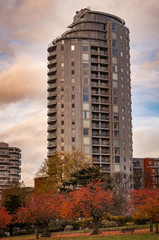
[68, 228]
[105, 223]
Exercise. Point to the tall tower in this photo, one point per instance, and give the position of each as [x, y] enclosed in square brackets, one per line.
[89, 93]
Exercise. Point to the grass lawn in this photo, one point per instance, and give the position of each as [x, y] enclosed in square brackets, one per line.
[145, 236]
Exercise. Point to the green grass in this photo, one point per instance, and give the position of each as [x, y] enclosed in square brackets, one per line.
[146, 236]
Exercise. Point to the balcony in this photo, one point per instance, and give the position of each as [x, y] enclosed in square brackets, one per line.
[51, 63]
[53, 69]
[51, 144]
[51, 127]
[51, 78]
[51, 135]
[95, 84]
[51, 94]
[52, 114]
[51, 86]
[51, 55]
[51, 103]
[51, 111]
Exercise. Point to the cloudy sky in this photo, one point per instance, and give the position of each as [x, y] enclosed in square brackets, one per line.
[26, 29]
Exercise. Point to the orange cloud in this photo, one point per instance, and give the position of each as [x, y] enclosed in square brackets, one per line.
[24, 80]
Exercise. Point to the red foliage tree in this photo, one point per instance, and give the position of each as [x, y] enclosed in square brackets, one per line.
[90, 200]
[40, 210]
[5, 218]
[144, 203]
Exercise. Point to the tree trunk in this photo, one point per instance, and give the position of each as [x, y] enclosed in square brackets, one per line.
[95, 226]
[151, 225]
[46, 231]
[37, 231]
[11, 230]
[156, 227]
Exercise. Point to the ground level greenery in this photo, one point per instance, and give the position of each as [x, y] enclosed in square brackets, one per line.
[144, 236]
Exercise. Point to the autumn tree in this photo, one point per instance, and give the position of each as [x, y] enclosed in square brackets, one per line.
[144, 203]
[59, 168]
[40, 210]
[88, 201]
[5, 218]
[14, 196]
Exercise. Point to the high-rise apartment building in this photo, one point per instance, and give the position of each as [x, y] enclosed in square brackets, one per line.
[9, 164]
[89, 92]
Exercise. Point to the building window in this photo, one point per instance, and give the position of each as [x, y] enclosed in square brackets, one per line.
[62, 140]
[85, 48]
[73, 139]
[86, 150]
[114, 60]
[114, 52]
[62, 122]
[73, 96]
[115, 76]
[115, 68]
[62, 105]
[73, 105]
[114, 36]
[85, 131]
[62, 114]
[73, 80]
[124, 168]
[62, 130]
[62, 148]
[85, 89]
[117, 159]
[73, 122]
[62, 64]
[115, 109]
[85, 65]
[85, 81]
[85, 72]
[73, 88]
[85, 106]
[116, 143]
[85, 56]
[86, 140]
[113, 43]
[62, 47]
[113, 26]
[72, 47]
[85, 123]
[115, 84]
[72, 64]
[86, 115]
[85, 98]
[72, 72]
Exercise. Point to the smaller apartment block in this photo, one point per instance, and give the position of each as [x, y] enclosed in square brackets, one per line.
[9, 164]
[149, 167]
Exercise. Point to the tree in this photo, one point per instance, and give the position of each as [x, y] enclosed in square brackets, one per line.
[40, 210]
[88, 201]
[122, 185]
[13, 197]
[144, 203]
[83, 177]
[59, 167]
[5, 218]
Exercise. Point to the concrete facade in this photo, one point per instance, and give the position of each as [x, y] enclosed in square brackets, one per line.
[89, 91]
